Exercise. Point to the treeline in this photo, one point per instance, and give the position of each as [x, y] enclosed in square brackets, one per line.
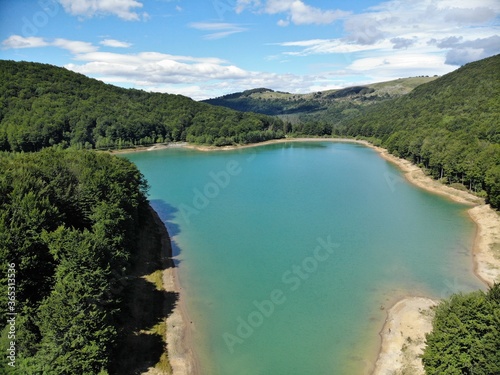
[450, 126]
[466, 335]
[68, 226]
[43, 105]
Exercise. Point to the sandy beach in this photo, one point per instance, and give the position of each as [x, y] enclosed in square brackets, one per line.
[155, 147]
[274, 141]
[486, 250]
[409, 319]
[180, 354]
[403, 337]
[178, 335]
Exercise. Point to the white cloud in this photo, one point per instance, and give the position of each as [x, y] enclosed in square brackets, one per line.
[123, 9]
[17, 41]
[332, 46]
[397, 65]
[74, 46]
[217, 30]
[403, 42]
[114, 43]
[476, 15]
[404, 38]
[296, 11]
[464, 52]
[413, 26]
[241, 5]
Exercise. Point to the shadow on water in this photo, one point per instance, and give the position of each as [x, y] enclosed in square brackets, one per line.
[167, 212]
[146, 305]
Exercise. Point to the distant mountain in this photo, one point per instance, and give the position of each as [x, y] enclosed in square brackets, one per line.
[451, 126]
[269, 102]
[43, 105]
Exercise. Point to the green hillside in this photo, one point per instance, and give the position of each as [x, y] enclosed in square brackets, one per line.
[450, 126]
[42, 105]
[317, 113]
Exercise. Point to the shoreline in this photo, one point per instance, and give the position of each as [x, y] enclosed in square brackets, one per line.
[412, 316]
[485, 258]
[272, 142]
[155, 147]
[403, 336]
[409, 315]
[181, 357]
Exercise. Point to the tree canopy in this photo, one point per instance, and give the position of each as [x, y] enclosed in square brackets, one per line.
[466, 335]
[68, 223]
[43, 105]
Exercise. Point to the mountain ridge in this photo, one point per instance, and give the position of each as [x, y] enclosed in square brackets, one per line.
[271, 102]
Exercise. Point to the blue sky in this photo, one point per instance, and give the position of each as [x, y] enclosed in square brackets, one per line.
[208, 48]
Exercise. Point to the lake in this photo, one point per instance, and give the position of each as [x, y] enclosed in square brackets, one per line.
[290, 253]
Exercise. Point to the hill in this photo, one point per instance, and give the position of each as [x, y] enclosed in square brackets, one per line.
[450, 126]
[269, 102]
[42, 105]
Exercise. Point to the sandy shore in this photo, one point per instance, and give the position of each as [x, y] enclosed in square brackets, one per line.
[416, 176]
[178, 337]
[403, 337]
[487, 243]
[403, 334]
[486, 251]
[179, 343]
[274, 141]
[155, 147]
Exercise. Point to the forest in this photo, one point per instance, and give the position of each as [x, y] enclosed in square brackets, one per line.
[69, 222]
[43, 105]
[465, 338]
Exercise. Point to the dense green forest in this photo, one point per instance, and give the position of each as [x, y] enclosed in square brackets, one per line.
[69, 222]
[466, 335]
[42, 105]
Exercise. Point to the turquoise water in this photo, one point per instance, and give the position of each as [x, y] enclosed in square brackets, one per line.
[289, 253]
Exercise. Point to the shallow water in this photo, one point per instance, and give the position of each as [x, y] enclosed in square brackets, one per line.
[289, 253]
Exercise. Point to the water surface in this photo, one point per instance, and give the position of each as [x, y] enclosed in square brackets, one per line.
[289, 253]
